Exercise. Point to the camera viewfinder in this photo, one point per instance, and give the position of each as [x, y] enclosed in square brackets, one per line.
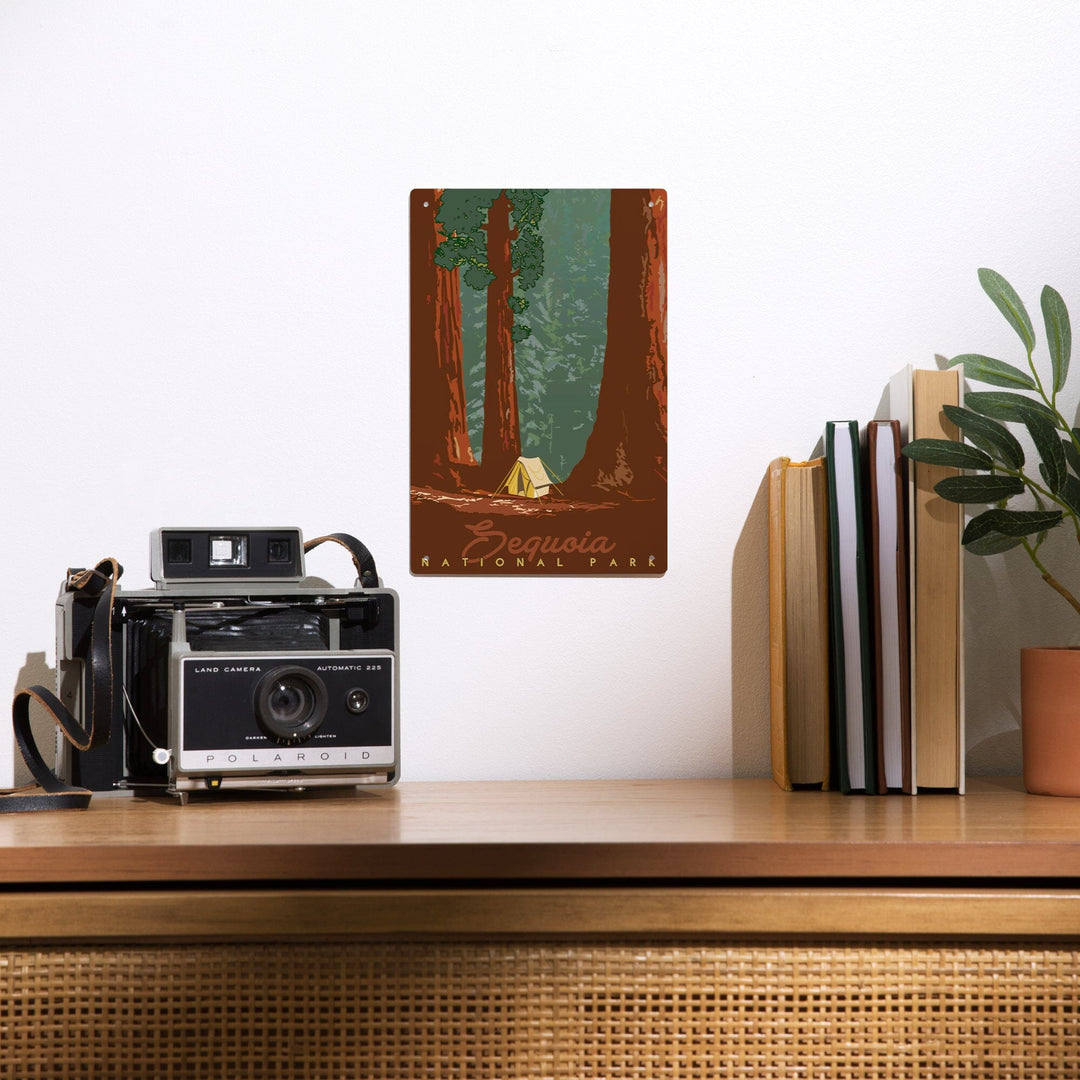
[228, 551]
[179, 550]
[261, 556]
[278, 550]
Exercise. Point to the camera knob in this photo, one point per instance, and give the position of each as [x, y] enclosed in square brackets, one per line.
[357, 701]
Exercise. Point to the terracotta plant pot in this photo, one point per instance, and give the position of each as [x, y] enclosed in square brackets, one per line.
[1050, 720]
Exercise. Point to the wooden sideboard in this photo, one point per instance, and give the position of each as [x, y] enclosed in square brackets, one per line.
[566, 928]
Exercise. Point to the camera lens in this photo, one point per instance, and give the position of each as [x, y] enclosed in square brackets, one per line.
[290, 703]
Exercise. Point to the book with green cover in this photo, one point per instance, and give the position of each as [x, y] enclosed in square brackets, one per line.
[850, 625]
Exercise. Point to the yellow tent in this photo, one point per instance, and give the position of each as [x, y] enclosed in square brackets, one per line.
[528, 478]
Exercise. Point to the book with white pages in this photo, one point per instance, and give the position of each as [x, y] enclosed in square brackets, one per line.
[851, 637]
[888, 544]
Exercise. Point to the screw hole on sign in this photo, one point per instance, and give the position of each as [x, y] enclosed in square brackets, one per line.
[651, 204]
[428, 204]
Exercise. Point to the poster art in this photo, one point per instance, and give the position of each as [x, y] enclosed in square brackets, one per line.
[538, 440]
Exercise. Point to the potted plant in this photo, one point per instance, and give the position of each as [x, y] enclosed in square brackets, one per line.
[998, 471]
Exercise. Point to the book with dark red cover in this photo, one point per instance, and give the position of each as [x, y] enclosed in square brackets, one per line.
[889, 579]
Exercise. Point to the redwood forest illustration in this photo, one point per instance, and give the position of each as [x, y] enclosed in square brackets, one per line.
[538, 439]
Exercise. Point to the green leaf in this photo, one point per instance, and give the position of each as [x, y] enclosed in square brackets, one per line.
[946, 452]
[978, 489]
[1070, 493]
[1058, 333]
[1072, 455]
[1009, 304]
[996, 439]
[993, 544]
[995, 372]
[1001, 405]
[1011, 523]
[1048, 444]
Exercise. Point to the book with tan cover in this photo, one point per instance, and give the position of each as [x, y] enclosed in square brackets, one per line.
[936, 591]
[939, 643]
[798, 623]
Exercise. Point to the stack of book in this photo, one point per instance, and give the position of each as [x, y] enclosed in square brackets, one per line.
[866, 605]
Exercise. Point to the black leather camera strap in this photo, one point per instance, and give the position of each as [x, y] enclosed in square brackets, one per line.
[361, 557]
[50, 792]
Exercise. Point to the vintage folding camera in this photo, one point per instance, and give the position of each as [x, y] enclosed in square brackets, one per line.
[237, 671]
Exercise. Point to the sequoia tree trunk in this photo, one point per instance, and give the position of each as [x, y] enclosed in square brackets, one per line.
[626, 452]
[502, 432]
[441, 450]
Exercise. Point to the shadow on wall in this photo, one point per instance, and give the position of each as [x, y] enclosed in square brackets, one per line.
[750, 641]
[36, 671]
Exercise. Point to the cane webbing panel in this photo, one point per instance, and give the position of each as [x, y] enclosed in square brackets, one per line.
[551, 1009]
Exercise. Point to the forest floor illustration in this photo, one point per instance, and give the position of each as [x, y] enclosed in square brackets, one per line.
[554, 533]
[479, 502]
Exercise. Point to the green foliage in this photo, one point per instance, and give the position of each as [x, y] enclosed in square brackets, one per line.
[996, 439]
[992, 450]
[1011, 523]
[1003, 405]
[980, 489]
[527, 251]
[463, 215]
[1058, 334]
[1009, 304]
[988, 370]
[946, 452]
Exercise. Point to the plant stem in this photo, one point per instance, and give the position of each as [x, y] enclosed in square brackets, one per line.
[1050, 579]
[1056, 585]
[1038, 380]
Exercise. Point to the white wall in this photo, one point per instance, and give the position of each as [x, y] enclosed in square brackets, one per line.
[203, 309]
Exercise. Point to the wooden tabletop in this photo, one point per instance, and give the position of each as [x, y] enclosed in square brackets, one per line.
[569, 831]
